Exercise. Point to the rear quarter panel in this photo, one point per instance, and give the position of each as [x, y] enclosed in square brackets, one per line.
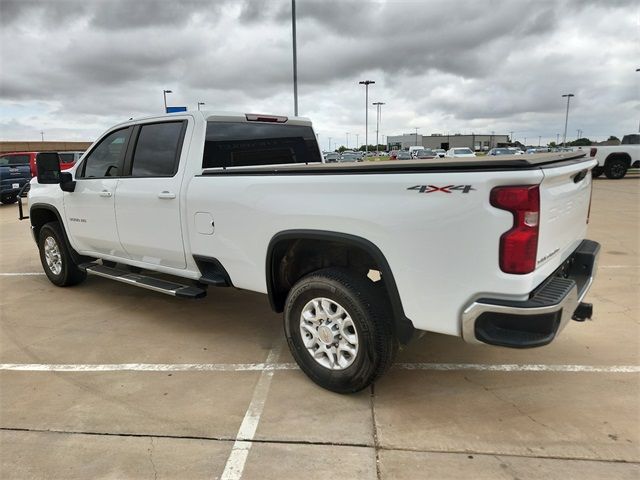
[442, 246]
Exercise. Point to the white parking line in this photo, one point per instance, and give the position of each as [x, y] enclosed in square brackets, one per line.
[20, 274]
[240, 451]
[269, 366]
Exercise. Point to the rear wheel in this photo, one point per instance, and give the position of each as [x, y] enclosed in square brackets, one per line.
[7, 199]
[339, 330]
[615, 168]
[56, 258]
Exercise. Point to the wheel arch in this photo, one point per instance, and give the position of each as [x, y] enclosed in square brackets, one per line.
[42, 213]
[289, 241]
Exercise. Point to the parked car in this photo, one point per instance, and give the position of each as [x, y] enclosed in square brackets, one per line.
[15, 171]
[500, 151]
[332, 157]
[403, 155]
[67, 159]
[393, 154]
[516, 150]
[200, 210]
[350, 157]
[460, 152]
[615, 160]
[426, 154]
[441, 152]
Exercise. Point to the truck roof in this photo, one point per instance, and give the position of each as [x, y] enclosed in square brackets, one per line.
[220, 116]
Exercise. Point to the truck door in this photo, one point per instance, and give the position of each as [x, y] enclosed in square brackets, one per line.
[148, 198]
[89, 209]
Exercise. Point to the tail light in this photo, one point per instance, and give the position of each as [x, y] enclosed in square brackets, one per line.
[592, 152]
[519, 245]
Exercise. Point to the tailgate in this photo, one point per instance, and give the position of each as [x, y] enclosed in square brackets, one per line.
[565, 194]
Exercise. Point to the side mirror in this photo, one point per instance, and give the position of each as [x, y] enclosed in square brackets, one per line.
[67, 183]
[48, 166]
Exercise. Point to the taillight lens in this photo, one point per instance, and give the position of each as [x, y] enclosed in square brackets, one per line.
[592, 152]
[519, 245]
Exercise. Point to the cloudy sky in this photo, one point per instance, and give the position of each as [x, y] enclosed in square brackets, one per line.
[73, 68]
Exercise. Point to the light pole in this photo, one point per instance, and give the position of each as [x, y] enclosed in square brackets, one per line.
[295, 58]
[379, 113]
[164, 94]
[566, 118]
[357, 141]
[557, 138]
[511, 137]
[366, 84]
[42, 135]
[200, 103]
[416, 129]
[539, 139]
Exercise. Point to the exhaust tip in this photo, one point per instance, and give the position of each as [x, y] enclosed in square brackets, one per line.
[583, 312]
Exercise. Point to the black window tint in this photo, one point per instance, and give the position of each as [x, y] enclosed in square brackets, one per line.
[66, 157]
[14, 160]
[157, 148]
[105, 159]
[240, 144]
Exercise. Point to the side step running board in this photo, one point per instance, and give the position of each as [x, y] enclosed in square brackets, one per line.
[150, 283]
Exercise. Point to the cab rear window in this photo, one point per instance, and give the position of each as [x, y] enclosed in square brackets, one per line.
[242, 144]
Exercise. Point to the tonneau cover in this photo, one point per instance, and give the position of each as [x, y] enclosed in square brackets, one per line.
[494, 163]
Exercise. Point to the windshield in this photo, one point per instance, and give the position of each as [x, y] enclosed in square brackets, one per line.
[14, 160]
[462, 150]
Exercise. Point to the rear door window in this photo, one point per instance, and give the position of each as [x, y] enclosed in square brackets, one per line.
[157, 150]
[243, 144]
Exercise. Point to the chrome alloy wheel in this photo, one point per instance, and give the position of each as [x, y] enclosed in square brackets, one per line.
[52, 255]
[329, 333]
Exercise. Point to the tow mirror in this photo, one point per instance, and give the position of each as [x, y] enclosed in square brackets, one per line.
[48, 166]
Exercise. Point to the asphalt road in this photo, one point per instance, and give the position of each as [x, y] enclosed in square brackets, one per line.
[104, 380]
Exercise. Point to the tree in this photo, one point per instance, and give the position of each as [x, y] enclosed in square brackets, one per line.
[581, 142]
[613, 137]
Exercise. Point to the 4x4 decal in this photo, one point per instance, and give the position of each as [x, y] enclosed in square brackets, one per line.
[447, 189]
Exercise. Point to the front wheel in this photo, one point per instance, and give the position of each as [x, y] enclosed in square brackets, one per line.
[597, 171]
[8, 199]
[339, 330]
[56, 258]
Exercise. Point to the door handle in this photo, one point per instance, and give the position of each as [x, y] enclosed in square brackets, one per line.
[167, 195]
[105, 193]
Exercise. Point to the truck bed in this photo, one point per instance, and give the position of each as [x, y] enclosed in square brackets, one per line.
[497, 163]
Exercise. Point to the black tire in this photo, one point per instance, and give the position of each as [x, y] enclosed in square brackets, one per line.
[597, 171]
[9, 199]
[615, 168]
[372, 319]
[69, 273]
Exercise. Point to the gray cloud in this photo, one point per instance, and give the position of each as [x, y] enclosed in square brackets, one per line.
[445, 65]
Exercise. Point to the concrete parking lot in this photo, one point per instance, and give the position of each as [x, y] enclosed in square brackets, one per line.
[104, 380]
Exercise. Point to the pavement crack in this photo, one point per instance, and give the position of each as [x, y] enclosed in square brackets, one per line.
[376, 444]
[153, 465]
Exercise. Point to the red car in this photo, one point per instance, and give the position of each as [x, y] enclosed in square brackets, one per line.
[67, 159]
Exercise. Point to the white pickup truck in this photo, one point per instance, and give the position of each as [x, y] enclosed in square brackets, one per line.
[357, 256]
[615, 160]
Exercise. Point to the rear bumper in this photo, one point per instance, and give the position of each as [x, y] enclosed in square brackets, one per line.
[535, 322]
